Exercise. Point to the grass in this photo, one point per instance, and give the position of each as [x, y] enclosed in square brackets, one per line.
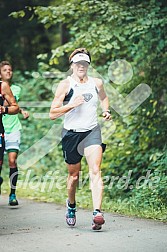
[45, 192]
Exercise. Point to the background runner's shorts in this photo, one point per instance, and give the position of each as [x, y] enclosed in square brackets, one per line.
[12, 141]
[73, 143]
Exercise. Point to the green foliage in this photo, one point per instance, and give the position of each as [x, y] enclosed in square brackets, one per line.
[109, 29]
[22, 37]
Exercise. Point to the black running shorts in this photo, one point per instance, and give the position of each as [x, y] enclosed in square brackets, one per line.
[73, 143]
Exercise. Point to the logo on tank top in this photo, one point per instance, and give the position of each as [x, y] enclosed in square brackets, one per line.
[87, 97]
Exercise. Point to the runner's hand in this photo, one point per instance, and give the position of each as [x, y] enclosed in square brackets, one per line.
[78, 100]
[2, 109]
[106, 115]
[25, 114]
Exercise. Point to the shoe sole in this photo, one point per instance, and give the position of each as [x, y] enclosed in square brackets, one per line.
[10, 204]
[99, 220]
[96, 226]
[14, 207]
[71, 222]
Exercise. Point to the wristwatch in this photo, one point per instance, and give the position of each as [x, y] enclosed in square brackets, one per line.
[6, 111]
[109, 111]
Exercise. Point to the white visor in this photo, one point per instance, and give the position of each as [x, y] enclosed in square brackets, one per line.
[80, 57]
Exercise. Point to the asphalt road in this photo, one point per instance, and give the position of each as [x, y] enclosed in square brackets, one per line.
[41, 227]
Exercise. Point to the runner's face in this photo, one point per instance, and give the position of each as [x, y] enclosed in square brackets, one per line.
[80, 68]
[6, 73]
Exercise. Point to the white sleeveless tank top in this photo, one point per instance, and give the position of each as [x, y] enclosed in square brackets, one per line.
[83, 117]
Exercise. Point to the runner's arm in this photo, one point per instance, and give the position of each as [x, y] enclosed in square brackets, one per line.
[13, 107]
[57, 108]
[103, 99]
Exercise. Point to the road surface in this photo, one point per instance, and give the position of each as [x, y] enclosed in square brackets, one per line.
[35, 226]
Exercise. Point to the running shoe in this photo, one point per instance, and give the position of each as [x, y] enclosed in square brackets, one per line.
[98, 220]
[12, 200]
[1, 181]
[70, 215]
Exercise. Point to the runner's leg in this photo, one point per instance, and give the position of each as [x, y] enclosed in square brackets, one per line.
[72, 180]
[13, 174]
[93, 156]
[2, 148]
